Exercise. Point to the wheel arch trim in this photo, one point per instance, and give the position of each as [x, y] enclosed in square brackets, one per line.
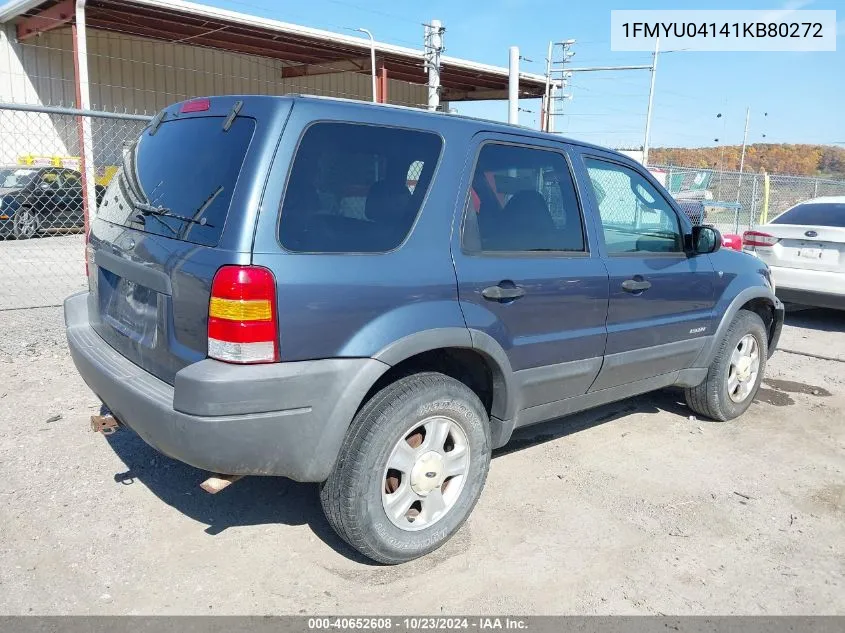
[505, 397]
[705, 357]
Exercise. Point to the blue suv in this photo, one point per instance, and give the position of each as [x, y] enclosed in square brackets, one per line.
[374, 297]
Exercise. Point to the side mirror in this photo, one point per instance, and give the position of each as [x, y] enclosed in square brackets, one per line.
[705, 239]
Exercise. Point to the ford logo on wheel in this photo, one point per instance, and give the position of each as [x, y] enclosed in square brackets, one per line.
[811, 234]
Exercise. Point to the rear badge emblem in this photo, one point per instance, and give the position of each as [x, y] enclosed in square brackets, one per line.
[811, 234]
[697, 330]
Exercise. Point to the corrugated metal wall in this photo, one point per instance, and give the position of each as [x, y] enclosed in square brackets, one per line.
[132, 74]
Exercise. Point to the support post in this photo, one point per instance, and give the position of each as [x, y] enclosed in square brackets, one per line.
[751, 211]
[764, 214]
[83, 102]
[513, 85]
[382, 82]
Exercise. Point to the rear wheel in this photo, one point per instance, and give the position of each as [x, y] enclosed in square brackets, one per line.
[26, 223]
[736, 371]
[411, 469]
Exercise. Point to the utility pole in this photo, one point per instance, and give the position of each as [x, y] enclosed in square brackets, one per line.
[742, 155]
[557, 77]
[433, 50]
[513, 85]
[565, 72]
[544, 113]
[650, 102]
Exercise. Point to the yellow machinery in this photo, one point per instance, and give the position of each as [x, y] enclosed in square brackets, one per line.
[103, 177]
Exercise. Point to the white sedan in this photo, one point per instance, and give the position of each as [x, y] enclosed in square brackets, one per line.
[805, 249]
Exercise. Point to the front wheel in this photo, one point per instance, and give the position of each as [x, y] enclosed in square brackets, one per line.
[411, 469]
[26, 223]
[736, 372]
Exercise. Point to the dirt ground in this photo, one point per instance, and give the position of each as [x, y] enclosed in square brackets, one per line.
[633, 508]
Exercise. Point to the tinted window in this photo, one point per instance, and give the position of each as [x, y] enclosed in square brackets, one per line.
[189, 168]
[356, 188]
[635, 217]
[522, 199]
[814, 214]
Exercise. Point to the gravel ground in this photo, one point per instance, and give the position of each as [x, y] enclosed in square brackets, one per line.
[632, 508]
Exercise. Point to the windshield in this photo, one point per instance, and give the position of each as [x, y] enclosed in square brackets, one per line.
[814, 214]
[15, 178]
[179, 181]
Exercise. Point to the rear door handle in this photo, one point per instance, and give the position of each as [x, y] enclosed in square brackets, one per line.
[634, 285]
[503, 293]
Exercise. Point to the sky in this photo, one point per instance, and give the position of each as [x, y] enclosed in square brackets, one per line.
[796, 97]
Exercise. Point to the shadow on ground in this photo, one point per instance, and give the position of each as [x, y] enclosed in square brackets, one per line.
[275, 500]
[819, 319]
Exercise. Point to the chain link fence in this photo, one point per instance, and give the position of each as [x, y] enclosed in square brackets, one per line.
[735, 202]
[42, 210]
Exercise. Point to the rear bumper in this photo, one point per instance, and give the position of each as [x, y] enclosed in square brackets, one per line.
[820, 288]
[814, 299]
[280, 419]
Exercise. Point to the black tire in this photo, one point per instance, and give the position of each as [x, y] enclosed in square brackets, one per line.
[25, 223]
[352, 495]
[711, 397]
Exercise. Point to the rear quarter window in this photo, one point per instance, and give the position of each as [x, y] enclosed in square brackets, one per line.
[356, 188]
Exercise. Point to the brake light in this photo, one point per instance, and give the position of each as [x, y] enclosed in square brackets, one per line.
[756, 238]
[242, 316]
[195, 105]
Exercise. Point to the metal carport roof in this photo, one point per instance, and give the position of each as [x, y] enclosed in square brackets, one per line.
[304, 50]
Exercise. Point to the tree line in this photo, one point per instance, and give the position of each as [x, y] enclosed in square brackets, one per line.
[825, 161]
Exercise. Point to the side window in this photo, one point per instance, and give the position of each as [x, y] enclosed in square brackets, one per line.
[635, 217]
[50, 179]
[522, 199]
[356, 188]
[71, 180]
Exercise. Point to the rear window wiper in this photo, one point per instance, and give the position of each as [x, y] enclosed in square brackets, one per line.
[201, 209]
[164, 212]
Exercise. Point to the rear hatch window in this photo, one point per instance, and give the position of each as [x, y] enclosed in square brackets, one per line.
[178, 181]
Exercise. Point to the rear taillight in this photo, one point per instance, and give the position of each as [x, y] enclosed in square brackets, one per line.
[756, 238]
[242, 316]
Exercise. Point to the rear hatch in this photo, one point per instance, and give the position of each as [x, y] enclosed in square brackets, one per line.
[183, 204]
